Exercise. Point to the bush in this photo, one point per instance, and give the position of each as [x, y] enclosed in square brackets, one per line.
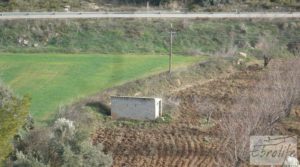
[59, 145]
[13, 115]
[27, 161]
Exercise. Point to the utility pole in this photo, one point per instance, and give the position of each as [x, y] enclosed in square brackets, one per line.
[147, 5]
[171, 48]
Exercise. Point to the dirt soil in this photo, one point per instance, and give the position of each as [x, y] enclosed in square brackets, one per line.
[187, 140]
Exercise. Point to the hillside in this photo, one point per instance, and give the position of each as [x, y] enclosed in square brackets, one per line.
[133, 5]
[183, 136]
[193, 37]
[231, 79]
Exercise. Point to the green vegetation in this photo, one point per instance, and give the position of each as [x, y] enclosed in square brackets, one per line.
[54, 79]
[104, 5]
[93, 111]
[51, 61]
[13, 115]
[61, 144]
[194, 37]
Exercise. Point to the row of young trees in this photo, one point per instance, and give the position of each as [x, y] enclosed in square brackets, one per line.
[259, 109]
[256, 111]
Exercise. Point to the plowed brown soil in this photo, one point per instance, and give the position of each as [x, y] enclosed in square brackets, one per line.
[185, 141]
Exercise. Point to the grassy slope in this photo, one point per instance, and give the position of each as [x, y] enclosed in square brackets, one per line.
[132, 5]
[56, 76]
[142, 36]
[54, 79]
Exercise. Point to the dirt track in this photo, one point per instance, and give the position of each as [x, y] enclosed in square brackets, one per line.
[183, 142]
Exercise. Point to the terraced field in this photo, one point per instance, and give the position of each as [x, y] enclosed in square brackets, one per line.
[173, 146]
[186, 141]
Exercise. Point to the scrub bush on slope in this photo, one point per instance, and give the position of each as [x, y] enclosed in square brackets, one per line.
[13, 115]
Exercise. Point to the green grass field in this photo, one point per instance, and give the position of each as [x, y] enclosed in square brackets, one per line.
[56, 79]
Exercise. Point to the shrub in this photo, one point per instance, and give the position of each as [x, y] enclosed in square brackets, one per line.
[13, 115]
[59, 145]
[27, 161]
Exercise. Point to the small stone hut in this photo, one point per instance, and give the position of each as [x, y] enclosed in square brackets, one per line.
[138, 108]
